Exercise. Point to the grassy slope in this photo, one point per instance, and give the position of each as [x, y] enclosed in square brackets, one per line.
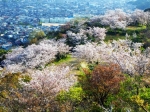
[118, 34]
[70, 61]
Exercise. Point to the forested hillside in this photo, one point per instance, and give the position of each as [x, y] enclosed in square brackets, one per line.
[98, 64]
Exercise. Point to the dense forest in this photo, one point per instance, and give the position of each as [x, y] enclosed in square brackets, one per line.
[97, 64]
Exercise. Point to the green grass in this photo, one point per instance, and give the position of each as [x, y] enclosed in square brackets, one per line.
[62, 61]
[120, 34]
[136, 28]
[113, 37]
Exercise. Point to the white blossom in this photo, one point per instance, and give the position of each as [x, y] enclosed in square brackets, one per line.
[134, 35]
[51, 79]
[119, 19]
[80, 37]
[97, 32]
[140, 17]
[115, 19]
[76, 38]
[123, 52]
[127, 36]
[33, 56]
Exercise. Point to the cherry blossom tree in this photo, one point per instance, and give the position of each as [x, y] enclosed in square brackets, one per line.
[127, 36]
[39, 94]
[139, 17]
[134, 35]
[123, 52]
[115, 19]
[36, 90]
[97, 32]
[82, 36]
[55, 78]
[34, 56]
[119, 19]
[76, 38]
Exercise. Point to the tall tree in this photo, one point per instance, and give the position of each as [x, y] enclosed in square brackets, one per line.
[103, 81]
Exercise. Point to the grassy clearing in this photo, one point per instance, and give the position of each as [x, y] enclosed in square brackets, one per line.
[113, 37]
[68, 61]
[120, 34]
[136, 28]
[64, 60]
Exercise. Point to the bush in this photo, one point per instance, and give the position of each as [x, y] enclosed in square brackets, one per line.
[35, 36]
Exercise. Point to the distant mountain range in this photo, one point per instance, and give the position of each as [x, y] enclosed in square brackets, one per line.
[141, 4]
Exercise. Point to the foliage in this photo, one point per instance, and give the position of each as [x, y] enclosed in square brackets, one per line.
[132, 95]
[73, 94]
[9, 92]
[2, 52]
[101, 82]
[35, 36]
[95, 89]
[72, 97]
[36, 90]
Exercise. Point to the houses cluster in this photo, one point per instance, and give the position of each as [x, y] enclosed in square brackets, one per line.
[59, 8]
[15, 31]
[18, 18]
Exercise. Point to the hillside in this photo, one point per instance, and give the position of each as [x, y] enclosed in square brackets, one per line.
[141, 4]
[97, 64]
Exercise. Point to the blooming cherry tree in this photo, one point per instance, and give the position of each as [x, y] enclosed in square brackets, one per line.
[115, 19]
[39, 94]
[97, 32]
[81, 37]
[77, 38]
[53, 78]
[34, 56]
[123, 52]
[139, 16]
[119, 19]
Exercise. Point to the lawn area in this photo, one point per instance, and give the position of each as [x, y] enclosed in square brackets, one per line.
[113, 37]
[67, 61]
[117, 34]
[136, 28]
